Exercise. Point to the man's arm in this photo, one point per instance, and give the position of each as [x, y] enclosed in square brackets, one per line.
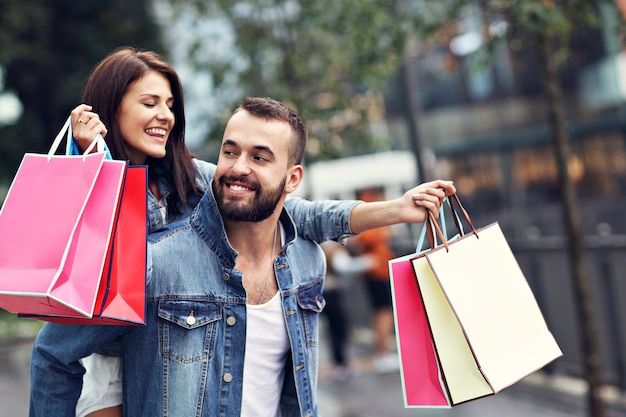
[322, 220]
[410, 208]
[336, 219]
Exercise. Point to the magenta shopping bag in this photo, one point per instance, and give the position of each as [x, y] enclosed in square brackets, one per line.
[55, 228]
[423, 384]
[419, 369]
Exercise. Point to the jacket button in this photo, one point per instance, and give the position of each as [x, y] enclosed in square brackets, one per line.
[231, 320]
[226, 276]
[191, 320]
[228, 377]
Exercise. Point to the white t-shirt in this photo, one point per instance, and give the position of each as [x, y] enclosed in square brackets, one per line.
[267, 347]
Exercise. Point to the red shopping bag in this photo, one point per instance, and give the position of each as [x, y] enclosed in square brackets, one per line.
[121, 293]
[125, 298]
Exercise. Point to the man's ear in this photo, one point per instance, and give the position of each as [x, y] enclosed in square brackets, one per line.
[294, 178]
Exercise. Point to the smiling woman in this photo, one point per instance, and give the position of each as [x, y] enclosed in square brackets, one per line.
[135, 99]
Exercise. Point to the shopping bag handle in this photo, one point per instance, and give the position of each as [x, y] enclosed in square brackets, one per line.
[72, 148]
[98, 142]
[431, 224]
[465, 214]
[442, 219]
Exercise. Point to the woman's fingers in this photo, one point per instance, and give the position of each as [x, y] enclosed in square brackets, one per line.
[86, 125]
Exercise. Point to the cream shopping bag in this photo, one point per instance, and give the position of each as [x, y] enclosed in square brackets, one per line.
[487, 328]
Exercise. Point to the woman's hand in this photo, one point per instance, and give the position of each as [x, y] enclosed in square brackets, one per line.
[86, 125]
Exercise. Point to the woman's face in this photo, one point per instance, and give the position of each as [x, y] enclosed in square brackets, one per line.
[145, 116]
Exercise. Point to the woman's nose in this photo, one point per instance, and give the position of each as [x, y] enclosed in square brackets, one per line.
[165, 113]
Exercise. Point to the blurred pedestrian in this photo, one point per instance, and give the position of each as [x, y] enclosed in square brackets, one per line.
[340, 269]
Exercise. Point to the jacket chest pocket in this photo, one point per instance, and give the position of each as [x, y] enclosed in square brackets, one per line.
[311, 302]
[187, 329]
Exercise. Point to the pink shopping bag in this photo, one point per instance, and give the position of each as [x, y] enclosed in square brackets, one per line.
[56, 225]
[423, 384]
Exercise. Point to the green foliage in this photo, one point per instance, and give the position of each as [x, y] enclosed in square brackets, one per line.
[47, 49]
[322, 57]
[552, 18]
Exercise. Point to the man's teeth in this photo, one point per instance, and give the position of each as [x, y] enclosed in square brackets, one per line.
[238, 188]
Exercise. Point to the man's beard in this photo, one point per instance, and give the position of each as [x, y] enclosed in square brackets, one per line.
[261, 207]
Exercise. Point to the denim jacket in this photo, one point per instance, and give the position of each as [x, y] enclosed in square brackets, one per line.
[205, 171]
[188, 358]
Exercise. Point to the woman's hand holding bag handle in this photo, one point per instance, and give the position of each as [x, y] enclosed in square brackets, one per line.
[72, 147]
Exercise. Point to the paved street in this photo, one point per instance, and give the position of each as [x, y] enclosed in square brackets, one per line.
[370, 394]
[366, 394]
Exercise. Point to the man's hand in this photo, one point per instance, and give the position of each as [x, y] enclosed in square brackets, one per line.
[429, 196]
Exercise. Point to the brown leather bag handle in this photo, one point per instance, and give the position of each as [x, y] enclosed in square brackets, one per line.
[455, 198]
[431, 223]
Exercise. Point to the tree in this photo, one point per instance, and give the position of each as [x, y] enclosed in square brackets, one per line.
[547, 22]
[47, 49]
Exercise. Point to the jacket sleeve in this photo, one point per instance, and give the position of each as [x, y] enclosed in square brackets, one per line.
[321, 220]
[205, 171]
[56, 375]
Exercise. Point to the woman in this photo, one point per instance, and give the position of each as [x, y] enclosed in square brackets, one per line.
[139, 98]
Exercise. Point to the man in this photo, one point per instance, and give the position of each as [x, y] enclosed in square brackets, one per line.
[233, 295]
